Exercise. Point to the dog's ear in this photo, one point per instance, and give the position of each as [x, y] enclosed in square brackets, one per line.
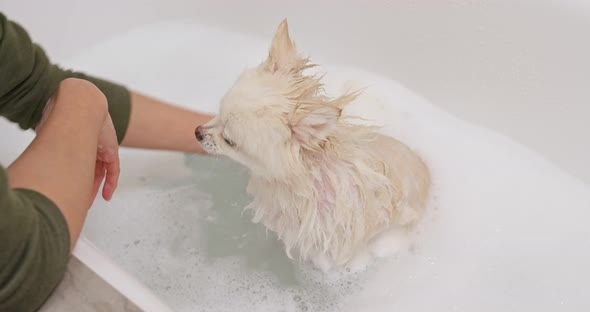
[283, 52]
[311, 124]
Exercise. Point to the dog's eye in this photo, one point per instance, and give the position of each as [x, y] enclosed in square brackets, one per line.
[228, 141]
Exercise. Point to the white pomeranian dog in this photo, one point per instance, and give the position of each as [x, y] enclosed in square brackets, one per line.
[326, 186]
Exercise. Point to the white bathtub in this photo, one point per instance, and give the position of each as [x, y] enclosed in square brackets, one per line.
[518, 67]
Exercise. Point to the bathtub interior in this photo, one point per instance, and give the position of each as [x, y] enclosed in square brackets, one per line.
[177, 223]
[502, 215]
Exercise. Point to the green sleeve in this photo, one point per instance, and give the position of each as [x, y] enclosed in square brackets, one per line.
[28, 79]
[34, 247]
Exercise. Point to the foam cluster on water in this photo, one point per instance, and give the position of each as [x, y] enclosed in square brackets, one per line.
[505, 230]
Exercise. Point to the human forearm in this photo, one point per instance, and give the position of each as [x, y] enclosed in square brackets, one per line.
[157, 125]
[60, 162]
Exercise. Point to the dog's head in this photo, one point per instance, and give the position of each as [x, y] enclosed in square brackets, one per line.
[272, 113]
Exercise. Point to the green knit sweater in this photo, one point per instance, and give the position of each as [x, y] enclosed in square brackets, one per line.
[34, 238]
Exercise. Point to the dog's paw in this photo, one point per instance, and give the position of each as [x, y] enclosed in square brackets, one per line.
[389, 242]
[361, 261]
[322, 262]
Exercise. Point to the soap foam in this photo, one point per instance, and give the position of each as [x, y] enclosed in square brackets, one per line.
[505, 230]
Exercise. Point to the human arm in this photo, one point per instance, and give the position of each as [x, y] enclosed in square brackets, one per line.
[29, 79]
[45, 195]
[155, 124]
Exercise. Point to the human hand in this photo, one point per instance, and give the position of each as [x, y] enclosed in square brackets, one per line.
[107, 161]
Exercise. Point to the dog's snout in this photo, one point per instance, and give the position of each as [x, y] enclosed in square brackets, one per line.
[199, 133]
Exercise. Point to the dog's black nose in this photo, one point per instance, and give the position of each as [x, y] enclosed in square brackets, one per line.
[199, 133]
